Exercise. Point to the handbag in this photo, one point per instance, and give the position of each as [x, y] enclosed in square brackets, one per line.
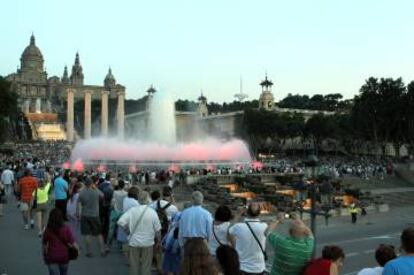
[73, 252]
[3, 199]
[257, 240]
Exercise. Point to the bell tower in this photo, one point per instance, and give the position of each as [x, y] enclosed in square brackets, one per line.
[266, 100]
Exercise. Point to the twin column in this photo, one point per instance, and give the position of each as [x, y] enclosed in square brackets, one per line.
[87, 113]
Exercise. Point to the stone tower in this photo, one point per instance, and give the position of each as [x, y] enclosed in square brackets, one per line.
[65, 77]
[202, 106]
[266, 100]
[109, 81]
[76, 78]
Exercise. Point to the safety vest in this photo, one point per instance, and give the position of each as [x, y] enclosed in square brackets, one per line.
[353, 210]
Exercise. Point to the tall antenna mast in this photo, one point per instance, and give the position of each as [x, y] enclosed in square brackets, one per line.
[241, 84]
[241, 96]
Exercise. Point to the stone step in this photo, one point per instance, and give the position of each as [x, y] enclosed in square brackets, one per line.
[397, 199]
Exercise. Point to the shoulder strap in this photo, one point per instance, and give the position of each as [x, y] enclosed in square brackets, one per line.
[138, 222]
[255, 237]
[59, 238]
[166, 206]
[215, 236]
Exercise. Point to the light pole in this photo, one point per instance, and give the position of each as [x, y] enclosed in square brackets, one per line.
[312, 161]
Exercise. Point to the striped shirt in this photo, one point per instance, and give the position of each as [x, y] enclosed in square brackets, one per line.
[27, 186]
[291, 254]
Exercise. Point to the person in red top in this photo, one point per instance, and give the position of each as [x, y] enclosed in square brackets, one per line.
[330, 263]
[27, 185]
[56, 238]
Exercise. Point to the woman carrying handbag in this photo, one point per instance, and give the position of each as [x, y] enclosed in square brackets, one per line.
[59, 246]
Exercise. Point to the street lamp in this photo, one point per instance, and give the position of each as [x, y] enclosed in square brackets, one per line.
[312, 161]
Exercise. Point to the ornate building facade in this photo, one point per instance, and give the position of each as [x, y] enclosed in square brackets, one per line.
[42, 97]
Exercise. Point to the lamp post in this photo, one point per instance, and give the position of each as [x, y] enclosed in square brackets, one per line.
[312, 161]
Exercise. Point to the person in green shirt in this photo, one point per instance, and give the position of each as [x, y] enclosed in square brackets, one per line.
[42, 196]
[291, 253]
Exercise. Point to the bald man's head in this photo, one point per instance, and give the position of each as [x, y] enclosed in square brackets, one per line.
[298, 229]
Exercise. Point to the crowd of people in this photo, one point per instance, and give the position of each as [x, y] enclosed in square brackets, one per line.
[337, 166]
[72, 210]
[44, 153]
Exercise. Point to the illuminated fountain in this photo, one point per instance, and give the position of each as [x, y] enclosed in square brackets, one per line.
[160, 148]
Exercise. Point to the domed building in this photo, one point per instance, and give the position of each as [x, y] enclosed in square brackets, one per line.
[30, 81]
[44, 100]
[31, 63]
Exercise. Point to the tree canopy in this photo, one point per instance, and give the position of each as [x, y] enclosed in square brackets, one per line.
[329, 102]
[8, 109]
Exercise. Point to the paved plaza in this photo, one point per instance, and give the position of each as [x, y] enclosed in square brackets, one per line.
[20, 250]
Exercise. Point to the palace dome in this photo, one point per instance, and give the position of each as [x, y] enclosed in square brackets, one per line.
[32, 58]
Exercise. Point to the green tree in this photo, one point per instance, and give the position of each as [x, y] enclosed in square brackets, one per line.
[408, 116]
[318, 128]
[377, 111]
[8, 109]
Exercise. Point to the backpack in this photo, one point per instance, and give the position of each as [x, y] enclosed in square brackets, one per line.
[162, 215]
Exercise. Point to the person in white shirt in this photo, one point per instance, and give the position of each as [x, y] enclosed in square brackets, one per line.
[383, 255]
[7, 179]
[144, 227]
[220, 230]
[248, 237]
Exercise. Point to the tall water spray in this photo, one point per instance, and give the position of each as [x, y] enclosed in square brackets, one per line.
[162, 125]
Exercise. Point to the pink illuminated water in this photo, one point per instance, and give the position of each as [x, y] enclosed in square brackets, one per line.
[107, 149]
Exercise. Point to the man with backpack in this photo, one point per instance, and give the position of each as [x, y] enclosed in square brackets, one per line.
[165, 211]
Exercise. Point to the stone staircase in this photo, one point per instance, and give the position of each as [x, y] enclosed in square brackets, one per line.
[399, 199]
[49, 131]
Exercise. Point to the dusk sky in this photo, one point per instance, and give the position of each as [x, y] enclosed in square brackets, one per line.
[306, 47]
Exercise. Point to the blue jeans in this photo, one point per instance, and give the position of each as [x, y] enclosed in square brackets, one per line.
[58, 269]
